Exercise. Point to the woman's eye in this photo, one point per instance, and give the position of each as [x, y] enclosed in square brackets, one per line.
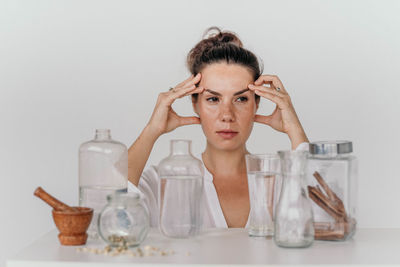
[242, 99]
[212, 99]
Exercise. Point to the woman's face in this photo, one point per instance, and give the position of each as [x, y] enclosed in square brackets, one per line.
[226, 107]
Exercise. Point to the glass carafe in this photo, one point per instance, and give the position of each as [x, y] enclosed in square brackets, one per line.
[294, 216]
[180, 191]
[103, 169]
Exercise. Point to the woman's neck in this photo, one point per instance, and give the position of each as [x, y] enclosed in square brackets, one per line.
[224, 163]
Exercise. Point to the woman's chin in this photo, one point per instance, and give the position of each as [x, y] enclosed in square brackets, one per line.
[227, 145]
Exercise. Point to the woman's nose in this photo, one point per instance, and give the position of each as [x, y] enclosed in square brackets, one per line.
[226, 113]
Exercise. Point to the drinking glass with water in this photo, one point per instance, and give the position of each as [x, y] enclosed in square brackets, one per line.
[263, 174]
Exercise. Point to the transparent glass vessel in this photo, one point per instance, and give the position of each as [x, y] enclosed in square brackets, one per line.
[264, 181]
[332, 185]
[124, 220]
[180, 191]
[294, 216]
[103, 169]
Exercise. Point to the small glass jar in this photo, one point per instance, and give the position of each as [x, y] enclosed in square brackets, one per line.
[124, 220]
[332, 185]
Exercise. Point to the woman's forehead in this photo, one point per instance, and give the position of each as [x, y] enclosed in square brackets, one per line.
[225, 78]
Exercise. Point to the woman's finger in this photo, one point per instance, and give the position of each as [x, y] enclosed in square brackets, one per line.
[188, 91]
[198, 90]
[273, 97]
[192, 81]
[272, 79]
[182, 83]
[267, 78]
[263, 119]
[176, 93]
[173, 95]
[267, 89]
[187, 83]
[188, 120]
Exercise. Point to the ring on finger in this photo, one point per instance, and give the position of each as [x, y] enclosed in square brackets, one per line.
[172, 89]
[278, 89]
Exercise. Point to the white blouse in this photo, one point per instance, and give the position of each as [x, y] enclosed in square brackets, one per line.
[213, 216]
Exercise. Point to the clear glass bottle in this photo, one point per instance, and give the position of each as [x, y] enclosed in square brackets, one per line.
[332, 185]
[180, 191]
[124, 220]
[294, 217]
[103, 169]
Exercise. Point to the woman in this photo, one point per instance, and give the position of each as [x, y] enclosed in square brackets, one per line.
[226, 85]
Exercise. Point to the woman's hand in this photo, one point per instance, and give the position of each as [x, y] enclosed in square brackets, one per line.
[283, 118]
[164, 119]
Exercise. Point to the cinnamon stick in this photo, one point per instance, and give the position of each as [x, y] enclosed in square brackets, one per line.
[329, 234]
[332, 196]
[334, 206]
[327, 205]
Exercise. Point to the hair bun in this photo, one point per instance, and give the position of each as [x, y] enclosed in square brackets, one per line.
[221, 46]
[214, 36]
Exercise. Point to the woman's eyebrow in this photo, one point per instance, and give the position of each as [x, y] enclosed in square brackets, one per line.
[237, 93]
[212, 92]
[241, 91]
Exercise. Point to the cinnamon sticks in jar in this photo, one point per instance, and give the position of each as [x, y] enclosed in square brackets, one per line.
[332, 178]
[333, 205]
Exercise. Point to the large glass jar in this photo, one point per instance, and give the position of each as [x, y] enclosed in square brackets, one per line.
[103, 169]
[124, 220]
[180, 191]
[332, 185]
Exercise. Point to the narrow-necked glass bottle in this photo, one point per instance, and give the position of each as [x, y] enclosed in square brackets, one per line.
[103, 169]
[294, 216]
[180, 191]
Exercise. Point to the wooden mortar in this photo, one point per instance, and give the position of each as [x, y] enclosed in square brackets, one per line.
[72, 222]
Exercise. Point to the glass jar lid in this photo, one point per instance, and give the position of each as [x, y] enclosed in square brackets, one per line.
[331, 147]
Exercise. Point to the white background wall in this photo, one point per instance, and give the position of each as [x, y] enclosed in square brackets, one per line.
[69, 67]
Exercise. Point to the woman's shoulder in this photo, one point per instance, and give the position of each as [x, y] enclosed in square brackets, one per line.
[149, 177]
[150, 173]
[148, 180]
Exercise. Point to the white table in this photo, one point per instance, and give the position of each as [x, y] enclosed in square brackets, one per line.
[220, 247]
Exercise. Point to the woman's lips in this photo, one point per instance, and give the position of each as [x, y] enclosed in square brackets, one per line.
[227, 134]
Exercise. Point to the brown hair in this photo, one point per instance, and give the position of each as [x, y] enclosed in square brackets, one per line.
[221, 46]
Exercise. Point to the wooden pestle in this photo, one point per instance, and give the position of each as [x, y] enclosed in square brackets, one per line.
[52, 201]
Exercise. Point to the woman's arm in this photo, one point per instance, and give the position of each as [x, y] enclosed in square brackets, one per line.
[297, 135]
[139, 153]
[163, 120]
[284, 118]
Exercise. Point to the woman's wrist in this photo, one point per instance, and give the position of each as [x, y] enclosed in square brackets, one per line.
[297, 137]
[150, 133]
